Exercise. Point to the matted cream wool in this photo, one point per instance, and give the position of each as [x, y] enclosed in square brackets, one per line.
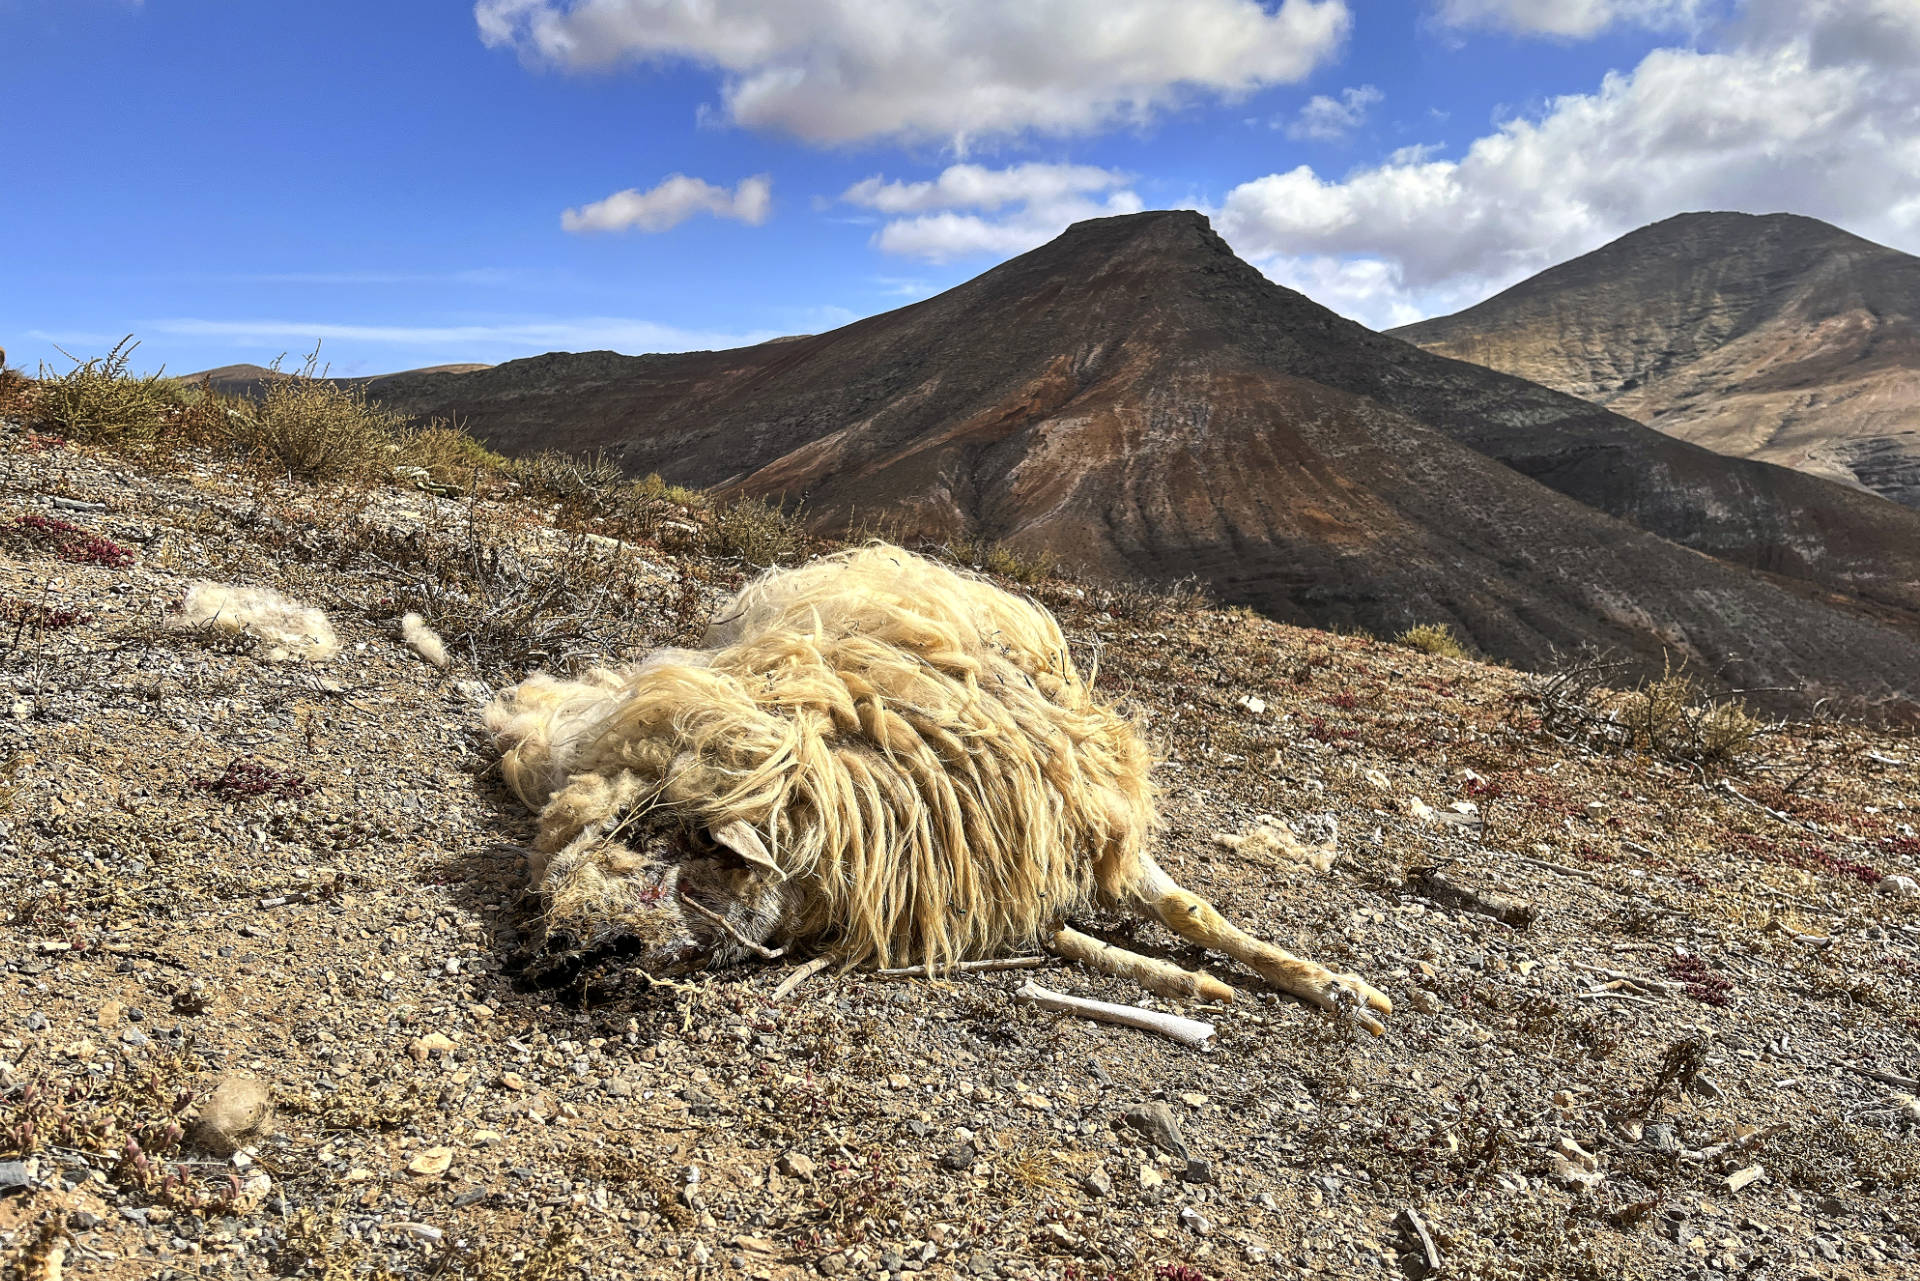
[927, 766]
[285, 627]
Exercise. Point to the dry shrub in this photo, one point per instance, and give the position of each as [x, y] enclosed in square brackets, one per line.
[1001, 560]
[99, 401]
[1432, 638]
[510, 598]
[757, 532]
[446, 459]
[312, 429]
[1671, 719]
[587, 480]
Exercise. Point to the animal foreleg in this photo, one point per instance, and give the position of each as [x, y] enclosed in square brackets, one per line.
[1161, 977]
[1192, 917]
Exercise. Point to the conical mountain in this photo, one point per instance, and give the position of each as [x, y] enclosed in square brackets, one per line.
[1136, 400]
[1773, 336]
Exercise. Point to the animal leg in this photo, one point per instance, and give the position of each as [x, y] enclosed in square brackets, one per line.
[1192, 917]
[1162, 977]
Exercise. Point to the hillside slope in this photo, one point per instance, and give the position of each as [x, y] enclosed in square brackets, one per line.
[218, 866]
[1138, 401]
[1775, 337]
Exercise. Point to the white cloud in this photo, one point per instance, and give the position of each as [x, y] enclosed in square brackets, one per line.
[972, 186]
[1326, 119]
[839, 71]
[968, 209]
[1810, 107]
[587, 333]
[1572, 19]
[672, 203]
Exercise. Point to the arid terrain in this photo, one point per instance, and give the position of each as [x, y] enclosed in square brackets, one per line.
[1137, 402]
[1773, 337]
[1696, 1059]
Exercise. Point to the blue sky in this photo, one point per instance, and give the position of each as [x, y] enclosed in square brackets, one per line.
[426, 182]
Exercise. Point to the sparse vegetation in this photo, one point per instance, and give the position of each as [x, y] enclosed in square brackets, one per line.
[1432, 638]
[1002, 560]
[758, 533]
[101, 401]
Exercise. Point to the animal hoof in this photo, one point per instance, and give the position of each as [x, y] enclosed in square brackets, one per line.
[1353, 994]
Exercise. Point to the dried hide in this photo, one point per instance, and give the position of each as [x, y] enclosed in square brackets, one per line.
[873, 756]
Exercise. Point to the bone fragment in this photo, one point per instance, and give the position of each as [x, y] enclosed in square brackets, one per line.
[1435, 885]
[1190, 1032]
[801, 973]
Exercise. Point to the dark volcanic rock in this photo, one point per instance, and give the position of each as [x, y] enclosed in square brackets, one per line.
[1773, 337]
[1136, 400]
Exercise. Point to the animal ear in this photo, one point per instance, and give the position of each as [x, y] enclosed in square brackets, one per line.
[744, 841]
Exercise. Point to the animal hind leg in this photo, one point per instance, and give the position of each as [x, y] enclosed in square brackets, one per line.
[1192, 917]
[1161, 977]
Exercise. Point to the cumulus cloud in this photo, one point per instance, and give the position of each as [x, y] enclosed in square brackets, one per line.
[1326, 119]
[1571, 19]
[839, 71]
[969, 209]
[672, 203]
[1809, 107]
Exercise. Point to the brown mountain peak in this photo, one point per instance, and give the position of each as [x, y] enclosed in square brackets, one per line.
[1136, 400]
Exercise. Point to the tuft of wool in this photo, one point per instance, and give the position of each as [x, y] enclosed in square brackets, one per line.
[423, 640]
[931, 774]
[286, 628]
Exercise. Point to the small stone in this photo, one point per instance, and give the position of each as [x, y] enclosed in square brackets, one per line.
[1098, 1182]
[109, 1015]
[513, 1080]
[1036, 1103]
[1195, 1222]
[431, 1163]
[1740, 1178]
[1057, 1234]
[1899, 886]
[136, 1038]
[890, 1260]
[1423, 1001]
[1197, 1171]
[1826, 1249]
[1194, 1100]
[480, 1012]
[831, 1265]
[237, 1113]
[798, 1165]
[958, 1157]
[1151, 1178]
[36, 1021]
[1160, 1126]
[430, 1044]
[14, 1175]
[1661, 1138]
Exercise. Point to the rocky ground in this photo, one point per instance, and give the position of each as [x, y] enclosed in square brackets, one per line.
[269, 1009]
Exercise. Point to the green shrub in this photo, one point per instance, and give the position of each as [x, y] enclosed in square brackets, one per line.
[1432, 638]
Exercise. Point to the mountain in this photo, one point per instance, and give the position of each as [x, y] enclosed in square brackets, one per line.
[1773, 337]
[252, 380]
[1138, 401]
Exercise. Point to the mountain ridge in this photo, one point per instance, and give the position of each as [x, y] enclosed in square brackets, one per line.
[1775, 337]
[1137, 400]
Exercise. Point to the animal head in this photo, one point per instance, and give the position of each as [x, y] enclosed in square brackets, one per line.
[681, 897]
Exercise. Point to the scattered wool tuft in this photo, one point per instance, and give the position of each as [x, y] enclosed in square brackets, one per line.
[287, 629]
[423, 640]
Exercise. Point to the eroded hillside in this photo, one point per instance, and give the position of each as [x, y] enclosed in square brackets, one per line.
[1698, 1058]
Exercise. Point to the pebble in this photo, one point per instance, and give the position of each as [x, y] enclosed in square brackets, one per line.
[1098, 1182]
[1161, 1127]
[1899, 886]
[431, 1163]
[513, 1080]
[1195, 1222]
[14, 1174]
[798, 1165]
